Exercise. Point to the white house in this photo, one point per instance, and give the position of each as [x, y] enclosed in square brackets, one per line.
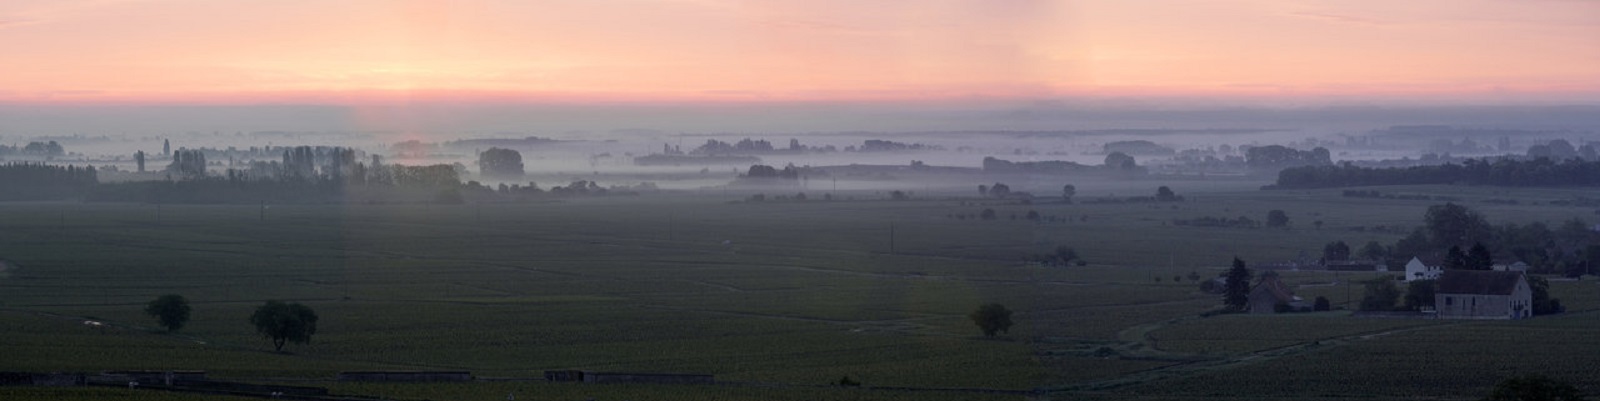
[1416, 270]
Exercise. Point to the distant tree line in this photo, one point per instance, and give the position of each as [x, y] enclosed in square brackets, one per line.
[50, 148]
[1279, 156]
[392, 182]
[38, 181]
[1498, 172]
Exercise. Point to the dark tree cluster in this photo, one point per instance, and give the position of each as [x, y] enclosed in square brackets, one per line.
[991, 319]
[386, 182]
[994, 165]
[1540, 172]
[38, 181]
[1236, 287]
[1279, 156]
[747, 145]
[760, 171]
[1062, 256]
[1137, 147]
[500, 162]
[45, 149]
[1464, 239]
[879, 145]
[1121, 162]
[1356, 193]
[1209, 221]
[187, 164]
[285, 322]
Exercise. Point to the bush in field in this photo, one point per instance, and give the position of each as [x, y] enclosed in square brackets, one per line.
[1277, 218]
[988, 214]
[1543, 304]
[1534, 387]
[1322, 304]
[1419, 294]
[1336, 251]
[1381, 294]
[171, 309]
[992, 318]
[285, 322]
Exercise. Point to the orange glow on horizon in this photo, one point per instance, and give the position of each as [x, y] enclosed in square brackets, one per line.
[716, 51]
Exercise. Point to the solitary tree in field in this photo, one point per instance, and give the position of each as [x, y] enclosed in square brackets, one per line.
[1067, 192]
[1236, 291]
[1277, 218]
[1165, 194]
[999, 190]
[171, 309]
[285, 322]
[992, 318]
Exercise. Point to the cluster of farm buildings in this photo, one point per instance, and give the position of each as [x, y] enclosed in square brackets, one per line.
[1502, 293]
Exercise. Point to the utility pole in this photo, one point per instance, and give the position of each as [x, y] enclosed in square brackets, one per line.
[263, 211]
[891, 238]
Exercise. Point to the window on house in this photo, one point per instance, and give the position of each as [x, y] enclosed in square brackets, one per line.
[1449, 301]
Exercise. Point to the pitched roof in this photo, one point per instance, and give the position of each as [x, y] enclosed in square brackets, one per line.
[1275, 287]
[1481, 282]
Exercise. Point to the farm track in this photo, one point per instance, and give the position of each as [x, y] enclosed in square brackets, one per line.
[1209, 365]
[222, 346]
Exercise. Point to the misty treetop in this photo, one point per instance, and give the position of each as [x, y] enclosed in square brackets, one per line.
[500, 162]
[1138, 147]
[1279, 156]
[41, 149]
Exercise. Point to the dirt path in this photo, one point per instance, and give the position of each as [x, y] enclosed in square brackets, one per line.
[1141, 332]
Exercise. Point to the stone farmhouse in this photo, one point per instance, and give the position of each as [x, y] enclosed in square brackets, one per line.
[1477, 294]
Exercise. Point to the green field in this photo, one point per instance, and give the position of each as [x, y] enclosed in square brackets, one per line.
[774, 298]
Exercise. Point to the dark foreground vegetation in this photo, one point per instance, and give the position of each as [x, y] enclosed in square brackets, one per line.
[886, 294]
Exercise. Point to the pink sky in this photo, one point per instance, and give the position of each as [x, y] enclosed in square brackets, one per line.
[353, 51]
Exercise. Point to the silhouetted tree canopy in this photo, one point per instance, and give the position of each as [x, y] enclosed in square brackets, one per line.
[1236, 290]
[171, 309]
[991, 319]
[285, 322]
[500, 162]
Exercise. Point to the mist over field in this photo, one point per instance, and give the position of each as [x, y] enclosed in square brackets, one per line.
[787, 200]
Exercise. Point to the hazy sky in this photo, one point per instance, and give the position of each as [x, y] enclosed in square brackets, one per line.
[354, 51]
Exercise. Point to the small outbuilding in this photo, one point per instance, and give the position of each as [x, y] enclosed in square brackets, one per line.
[1483, 294]
[1271, 295]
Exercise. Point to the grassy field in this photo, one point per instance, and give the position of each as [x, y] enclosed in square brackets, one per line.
[788, 295]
